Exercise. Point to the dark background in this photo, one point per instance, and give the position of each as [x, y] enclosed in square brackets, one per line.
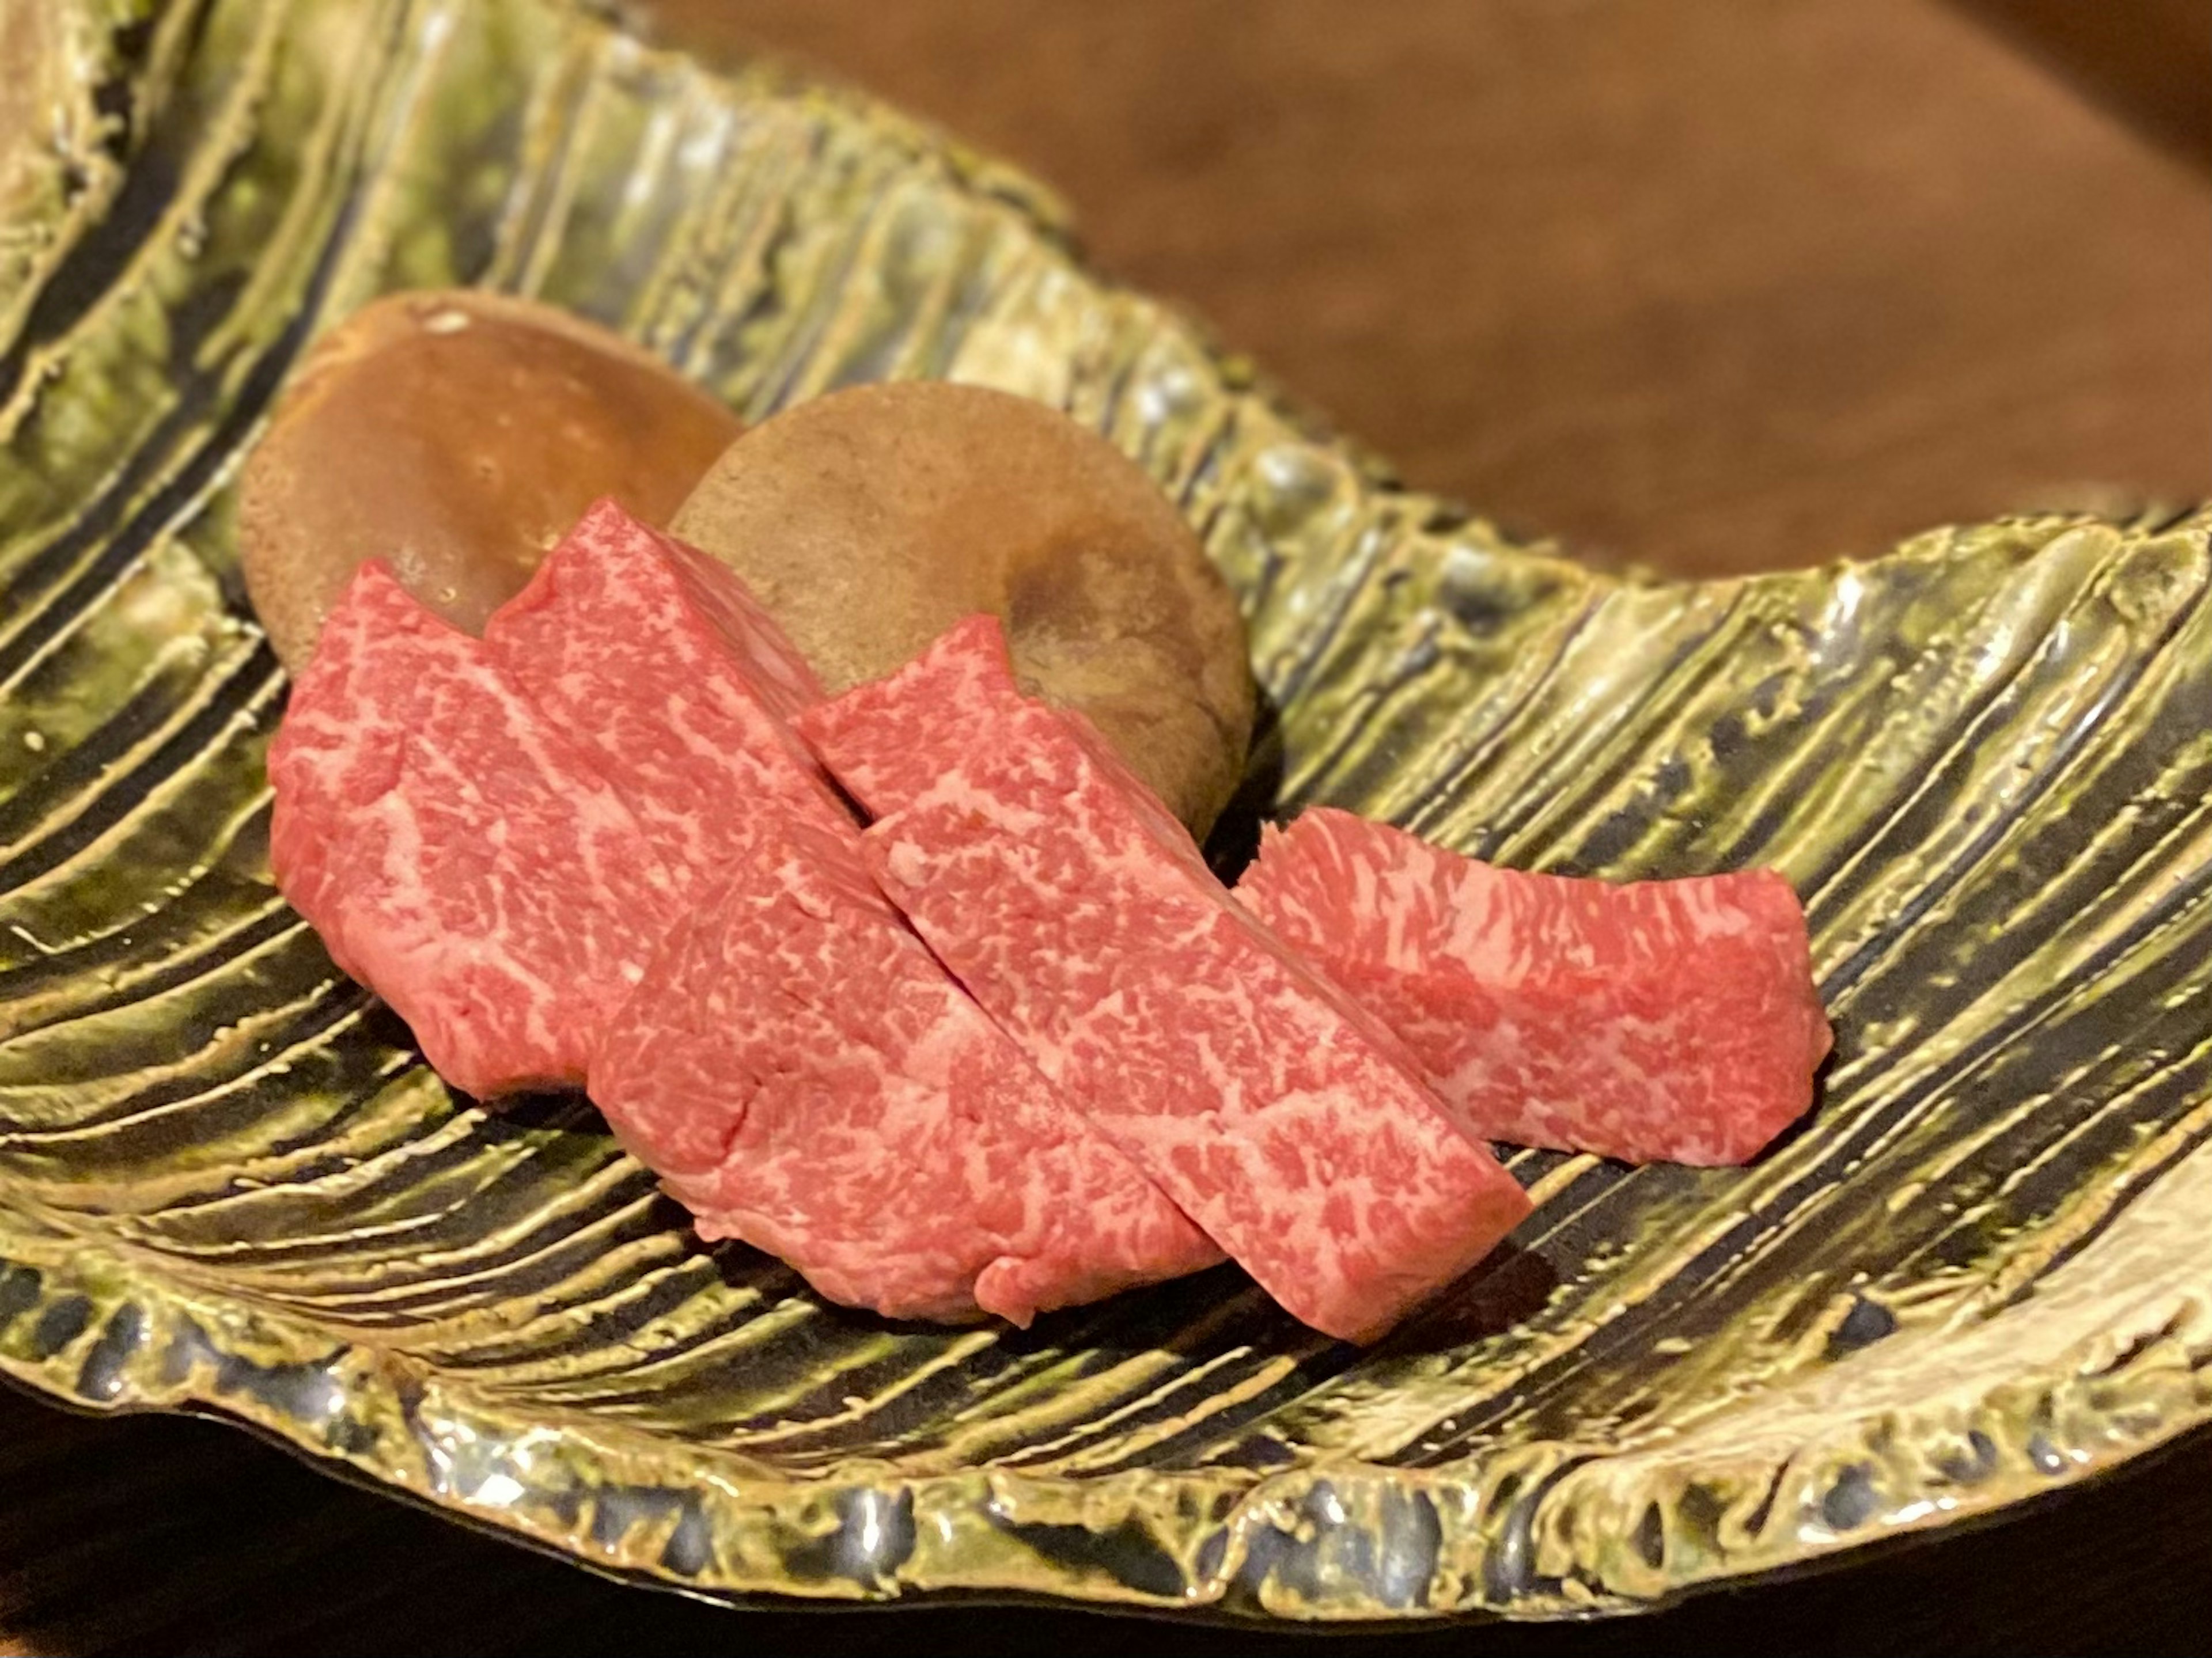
[1709, 284]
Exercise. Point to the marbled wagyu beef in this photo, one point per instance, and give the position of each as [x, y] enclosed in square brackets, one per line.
[796, 1064]
[657, 660]
[1673, 1020]
[458, 853]
[805, 1077]
[1081, 916]
[588, 848]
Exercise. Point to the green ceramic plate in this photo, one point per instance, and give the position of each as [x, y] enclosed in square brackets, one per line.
[227, 1185]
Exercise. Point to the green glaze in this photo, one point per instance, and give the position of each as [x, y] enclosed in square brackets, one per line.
[226, 1185]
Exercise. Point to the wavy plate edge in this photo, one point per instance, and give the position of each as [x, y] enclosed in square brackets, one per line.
[109, 1333]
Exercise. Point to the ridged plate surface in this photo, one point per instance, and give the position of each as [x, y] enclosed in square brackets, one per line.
[226, 1184]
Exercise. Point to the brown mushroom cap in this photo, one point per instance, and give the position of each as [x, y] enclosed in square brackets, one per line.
[870, 520]
[457, 434]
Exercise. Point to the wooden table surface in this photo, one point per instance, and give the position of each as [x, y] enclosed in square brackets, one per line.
[1709, 284]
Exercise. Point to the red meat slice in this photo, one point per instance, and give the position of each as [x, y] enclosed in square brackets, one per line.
[804, 1076]
[1080, 915]
[457, 854]
[796, 1064]
[656, 657]
[1672, 1020]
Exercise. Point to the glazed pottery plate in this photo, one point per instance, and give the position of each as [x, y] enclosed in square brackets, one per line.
[227, 1183]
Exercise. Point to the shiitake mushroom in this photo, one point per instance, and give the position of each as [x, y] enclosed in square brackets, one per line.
[871, 520]
[457, 435]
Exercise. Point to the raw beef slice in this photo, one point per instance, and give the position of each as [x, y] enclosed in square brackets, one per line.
[456, 853]
[804, 1076]
[1080, 915]
[796, 1066]
[657, 660]
[1672, 1020]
